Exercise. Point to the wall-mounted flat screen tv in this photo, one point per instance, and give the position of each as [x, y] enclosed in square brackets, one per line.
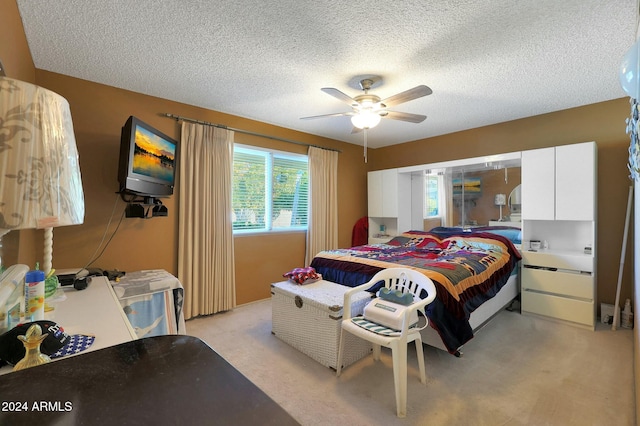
[148, 160]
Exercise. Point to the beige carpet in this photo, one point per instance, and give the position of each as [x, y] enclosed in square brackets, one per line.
[518, 370]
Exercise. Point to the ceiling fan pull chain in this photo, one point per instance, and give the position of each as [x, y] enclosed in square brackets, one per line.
[365, 144]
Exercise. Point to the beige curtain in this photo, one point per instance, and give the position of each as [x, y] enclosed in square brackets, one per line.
[322, 233]
[205, 240]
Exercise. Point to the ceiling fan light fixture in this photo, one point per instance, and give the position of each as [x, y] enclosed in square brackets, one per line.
[366, 119]
[368, 109]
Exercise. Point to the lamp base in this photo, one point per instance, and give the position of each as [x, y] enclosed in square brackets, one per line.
[47, 258]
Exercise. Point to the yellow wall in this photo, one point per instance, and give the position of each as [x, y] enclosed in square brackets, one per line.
[14, 50]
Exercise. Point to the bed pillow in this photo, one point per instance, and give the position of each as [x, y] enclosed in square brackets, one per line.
[303, 275]
[509, 232]
[433, 243]
[513, 234]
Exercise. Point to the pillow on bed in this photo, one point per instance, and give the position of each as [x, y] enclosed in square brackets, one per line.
[414, 239]
[303, 275]
[398, 241]
[514, 234]
[432, 243]
[510, 232]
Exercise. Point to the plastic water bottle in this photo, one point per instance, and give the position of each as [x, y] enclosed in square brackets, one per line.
[627, 315]
[34, 296]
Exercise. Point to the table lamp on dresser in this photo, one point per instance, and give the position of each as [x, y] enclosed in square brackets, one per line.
[40, 183]
[500, 200]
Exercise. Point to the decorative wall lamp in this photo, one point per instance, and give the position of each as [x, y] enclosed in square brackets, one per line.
[40, 183]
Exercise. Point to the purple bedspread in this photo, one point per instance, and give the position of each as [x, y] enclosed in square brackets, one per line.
[467, 268]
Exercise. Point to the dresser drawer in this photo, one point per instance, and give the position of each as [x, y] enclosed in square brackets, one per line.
[562, 308]
[570, 284]
[550, 259]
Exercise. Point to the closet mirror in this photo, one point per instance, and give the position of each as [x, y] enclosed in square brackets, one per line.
[472, 192]
[478, 196]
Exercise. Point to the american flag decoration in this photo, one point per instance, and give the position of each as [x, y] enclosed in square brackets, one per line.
[77, 343]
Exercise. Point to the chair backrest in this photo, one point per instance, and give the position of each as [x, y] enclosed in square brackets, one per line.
[407, 281]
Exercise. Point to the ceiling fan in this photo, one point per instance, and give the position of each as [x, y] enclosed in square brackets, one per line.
[368, 109]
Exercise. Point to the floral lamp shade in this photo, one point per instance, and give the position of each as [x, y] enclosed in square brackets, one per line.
[40, 182]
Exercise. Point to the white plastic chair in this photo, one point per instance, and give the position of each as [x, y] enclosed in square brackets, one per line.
[405, 280]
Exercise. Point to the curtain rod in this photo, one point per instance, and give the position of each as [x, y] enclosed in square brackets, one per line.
[246, 132]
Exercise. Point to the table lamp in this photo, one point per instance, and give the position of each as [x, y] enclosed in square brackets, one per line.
[40, 183]
[500, 200]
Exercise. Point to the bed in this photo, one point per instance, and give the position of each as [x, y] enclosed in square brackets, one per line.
[475, 273]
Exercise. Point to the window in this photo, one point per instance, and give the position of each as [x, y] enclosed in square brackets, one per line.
[270, 190]
[432, 196]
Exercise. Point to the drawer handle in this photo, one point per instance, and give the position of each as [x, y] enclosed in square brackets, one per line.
[544, 268]
[298, 301]
[566, 271]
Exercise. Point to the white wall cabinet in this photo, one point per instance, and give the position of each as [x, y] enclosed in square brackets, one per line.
[559, 190]
[382, 191]
[576, 181]
[538, 184]
[389, 204]
[382, 198]
[558, 183]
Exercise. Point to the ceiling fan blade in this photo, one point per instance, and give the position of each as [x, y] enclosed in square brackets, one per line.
[407, 95]
[404, 116]
[355, 130]
[337, 114]
[339, 95]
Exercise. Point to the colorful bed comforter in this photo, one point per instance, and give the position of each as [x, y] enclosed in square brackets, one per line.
[467, 268]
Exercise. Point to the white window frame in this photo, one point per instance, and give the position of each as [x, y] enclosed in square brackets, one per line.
[269, 155]
[441, 200]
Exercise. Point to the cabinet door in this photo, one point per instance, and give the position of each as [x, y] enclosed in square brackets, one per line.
[382, 193]
[374, 193]
[390, 193]
[538, 184]
[575, 181]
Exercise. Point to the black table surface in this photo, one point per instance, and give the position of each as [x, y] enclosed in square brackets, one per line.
[162, 380]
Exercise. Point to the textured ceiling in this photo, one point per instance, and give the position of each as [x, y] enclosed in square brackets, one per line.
[487, 61]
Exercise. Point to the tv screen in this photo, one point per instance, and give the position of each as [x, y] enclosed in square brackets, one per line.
[148, 160]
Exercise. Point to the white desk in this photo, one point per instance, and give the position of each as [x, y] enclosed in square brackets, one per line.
[94, 311]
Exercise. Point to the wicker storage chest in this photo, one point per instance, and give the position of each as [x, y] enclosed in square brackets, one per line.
[309, 317]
